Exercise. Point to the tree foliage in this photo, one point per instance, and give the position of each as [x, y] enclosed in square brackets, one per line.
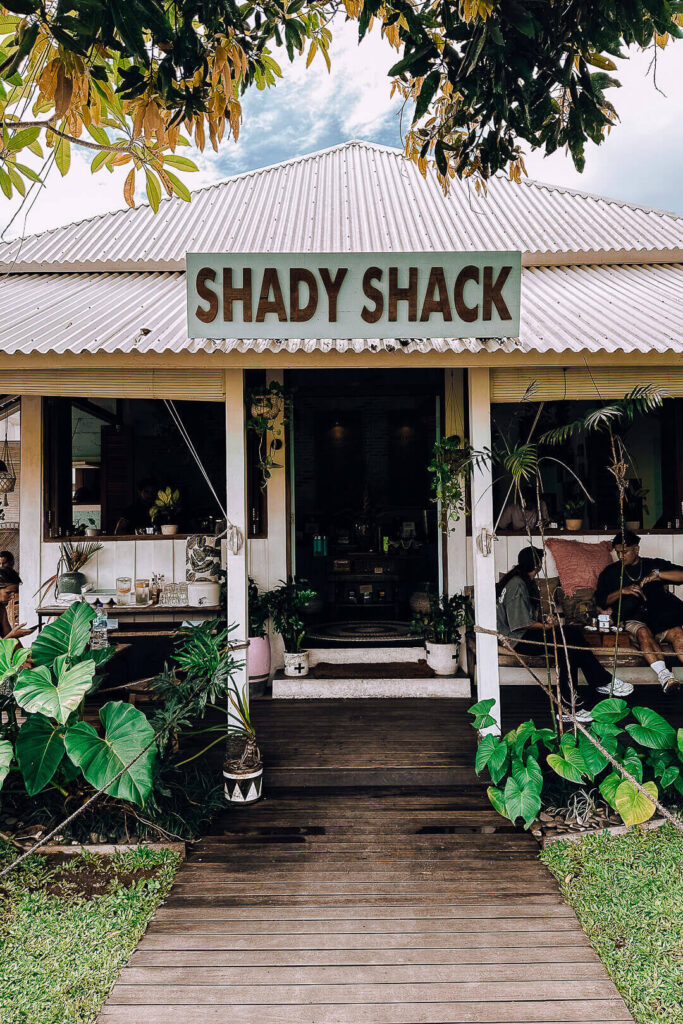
[132, 80]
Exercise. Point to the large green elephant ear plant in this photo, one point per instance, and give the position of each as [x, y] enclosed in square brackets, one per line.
[54, 745]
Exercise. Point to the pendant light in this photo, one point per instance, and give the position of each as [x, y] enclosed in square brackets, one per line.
[8, 476]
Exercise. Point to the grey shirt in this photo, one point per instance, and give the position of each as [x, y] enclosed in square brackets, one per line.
[515, 612]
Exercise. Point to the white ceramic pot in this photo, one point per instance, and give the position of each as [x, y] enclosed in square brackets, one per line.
[169, 529]
[199, 594]
[296, 664]
[442, 658]
[91, 531]
[242, 787]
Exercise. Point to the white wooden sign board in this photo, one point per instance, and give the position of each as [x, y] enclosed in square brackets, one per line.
[353, 295]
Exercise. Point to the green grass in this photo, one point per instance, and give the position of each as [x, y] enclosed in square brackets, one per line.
[627, 892]
[61, 954]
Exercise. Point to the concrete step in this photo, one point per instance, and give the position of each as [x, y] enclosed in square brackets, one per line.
[308, 687]
[379, 655]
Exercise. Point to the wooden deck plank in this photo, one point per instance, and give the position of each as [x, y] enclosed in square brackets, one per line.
[366, 905]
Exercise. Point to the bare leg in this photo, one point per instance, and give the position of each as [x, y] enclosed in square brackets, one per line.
[648, 645]
[675, 638]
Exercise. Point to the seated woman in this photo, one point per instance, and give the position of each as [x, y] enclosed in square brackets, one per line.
[519, 619]
[9, 591]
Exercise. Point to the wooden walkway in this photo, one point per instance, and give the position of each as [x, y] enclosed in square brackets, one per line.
[389, 903]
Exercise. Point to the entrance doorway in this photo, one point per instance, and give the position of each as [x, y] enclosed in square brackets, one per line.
[366, 533]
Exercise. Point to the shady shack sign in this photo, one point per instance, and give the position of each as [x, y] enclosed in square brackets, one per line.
[353, 295]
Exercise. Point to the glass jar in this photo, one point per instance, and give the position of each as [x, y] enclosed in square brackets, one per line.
[123, 585]
[142, 592]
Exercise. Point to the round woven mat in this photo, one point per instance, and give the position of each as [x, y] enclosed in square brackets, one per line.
[363, 632]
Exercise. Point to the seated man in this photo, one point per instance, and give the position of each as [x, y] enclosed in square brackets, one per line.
[634, 589]
[9, 592]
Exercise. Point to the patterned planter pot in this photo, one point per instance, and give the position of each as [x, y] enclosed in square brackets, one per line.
[442, 658]
[240, 786]
[296, 664]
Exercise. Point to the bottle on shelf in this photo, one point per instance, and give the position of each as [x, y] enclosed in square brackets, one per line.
[99, 637]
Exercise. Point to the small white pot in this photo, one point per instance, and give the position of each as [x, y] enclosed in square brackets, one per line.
[169, 529]
[91, 531]
[442, 658]
[296, 664]
[242, 787]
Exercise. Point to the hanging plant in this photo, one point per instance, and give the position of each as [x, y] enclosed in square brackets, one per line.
[268, 407]
[452, 459]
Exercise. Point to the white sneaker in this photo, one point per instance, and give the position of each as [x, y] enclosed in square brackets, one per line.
[582, 716]
[667, 679]
[620, 688]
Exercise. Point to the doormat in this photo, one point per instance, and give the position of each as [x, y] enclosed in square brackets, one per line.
[373, 670]
[356, 632]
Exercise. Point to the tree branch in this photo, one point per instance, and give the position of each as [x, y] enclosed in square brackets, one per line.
[70, 138]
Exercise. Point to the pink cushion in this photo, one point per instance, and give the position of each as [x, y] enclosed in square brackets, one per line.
[578, 564]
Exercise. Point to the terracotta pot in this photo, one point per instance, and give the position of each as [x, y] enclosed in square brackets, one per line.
[442, 658]
[169, 529]
[296, 664]
[573, 524]
[258, 663]
[632, 524]
[242, 786]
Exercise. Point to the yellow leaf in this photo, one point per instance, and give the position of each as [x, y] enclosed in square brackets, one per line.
[599, 60]
[129, 188]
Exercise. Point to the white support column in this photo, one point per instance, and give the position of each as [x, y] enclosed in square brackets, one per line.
[456, 537]
[31, 505]
[236, 506]
[278, 521]
[488, 678]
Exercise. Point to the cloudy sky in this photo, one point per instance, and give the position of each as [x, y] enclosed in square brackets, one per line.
[641, 161]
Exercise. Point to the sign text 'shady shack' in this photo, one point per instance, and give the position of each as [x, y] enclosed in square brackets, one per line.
[352, 295]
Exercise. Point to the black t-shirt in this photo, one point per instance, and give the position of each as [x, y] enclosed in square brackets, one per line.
[661, 610]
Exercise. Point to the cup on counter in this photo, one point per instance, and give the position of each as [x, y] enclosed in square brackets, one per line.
[123, 585]
[142, 591]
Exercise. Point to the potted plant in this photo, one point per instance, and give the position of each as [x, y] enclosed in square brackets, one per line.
[258, 653]
[72, 558]
[242, 776]
[573, 514]
[441, 628]
[635, 505]
[165, 510]
[286, 603]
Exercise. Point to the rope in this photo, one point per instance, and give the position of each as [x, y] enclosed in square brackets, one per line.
[175, 416]
[543, 643]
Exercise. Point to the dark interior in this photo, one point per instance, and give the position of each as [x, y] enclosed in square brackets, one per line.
[366, 527]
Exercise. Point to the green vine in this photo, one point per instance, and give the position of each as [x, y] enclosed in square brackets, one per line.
[267, 410]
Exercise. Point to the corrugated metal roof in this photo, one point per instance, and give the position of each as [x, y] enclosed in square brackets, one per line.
[355, 197]
[592, 309]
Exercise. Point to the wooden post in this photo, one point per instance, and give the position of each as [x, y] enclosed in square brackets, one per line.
[236, 506]
[488, 676]
[31, 506]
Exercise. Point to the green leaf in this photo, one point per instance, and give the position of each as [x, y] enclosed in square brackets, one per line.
[127, 734]
[484, 751]
[524, 733]
[528, 773]
[611, 710]
[5, 183]
[181, 163]
[25, 137]
[35, 691]
[568, 765]
[12, 657]
[429, 87]
[679, 743]
[632, 805]
[98, 133]
[179, 187]
[63, 155]
[632, 763]
[69, 634]
[498, 760]
[669, 775]
[609, 786]
[652, 731]
[40, 749]
[594, 760]
[5, 759]
[497, 800]
[521, 802]
[153, 190]
[483, 707]
[28, 172]
[98, 160]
